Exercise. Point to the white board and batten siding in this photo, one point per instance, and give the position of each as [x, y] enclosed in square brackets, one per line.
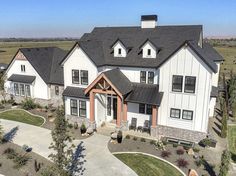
[186, 63]
[39, 88]
[78, 60]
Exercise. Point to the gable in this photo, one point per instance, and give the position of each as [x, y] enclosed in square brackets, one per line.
[149, 46]
[119, 46]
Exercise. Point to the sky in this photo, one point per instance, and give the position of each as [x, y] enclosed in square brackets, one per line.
[72, 18]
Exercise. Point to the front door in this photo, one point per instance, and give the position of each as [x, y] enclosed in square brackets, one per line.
[114, 108]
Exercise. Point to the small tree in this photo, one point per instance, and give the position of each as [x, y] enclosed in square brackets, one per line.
[1, 133]
[2, 87]
[225, 161]
[224, 121]
[62, 143]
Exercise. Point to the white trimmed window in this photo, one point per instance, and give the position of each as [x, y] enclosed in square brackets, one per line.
[27, 90]
[82, 108]
[142, 76]
[16, 89]
[22, 89]
[84, 77]
[73, 107]
[22, 67]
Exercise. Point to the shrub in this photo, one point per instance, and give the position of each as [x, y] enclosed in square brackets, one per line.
[2, 106]
[28, 104]
[175, 145]
[225, 162]
[180, 151]
[152, 142]
[186, 147]
[164, 142]
[159, 145]
[143, 140]
[10, 152]
[20, 160]
[196, 149]
[127, 136]
[135, 138]
[165, 154]
[182, 162]
[70, 126]
[198, 162]
[76, 126]
[37, 166]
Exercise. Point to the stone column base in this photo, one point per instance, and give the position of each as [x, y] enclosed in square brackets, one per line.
[93, 125]
[153, 131]
[124, 125]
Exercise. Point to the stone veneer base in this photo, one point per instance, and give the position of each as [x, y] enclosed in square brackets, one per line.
[182, 134]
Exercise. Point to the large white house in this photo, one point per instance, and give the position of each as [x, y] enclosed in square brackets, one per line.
[163, 76]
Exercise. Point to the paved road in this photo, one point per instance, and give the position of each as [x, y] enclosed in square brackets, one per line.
[99, 160]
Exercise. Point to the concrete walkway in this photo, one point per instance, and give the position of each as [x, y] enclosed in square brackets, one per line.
[99, 160]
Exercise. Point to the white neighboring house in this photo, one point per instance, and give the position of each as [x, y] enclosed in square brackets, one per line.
[164, 77]
[36, 73]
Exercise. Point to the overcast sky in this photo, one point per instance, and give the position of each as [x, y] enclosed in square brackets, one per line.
[72, 18]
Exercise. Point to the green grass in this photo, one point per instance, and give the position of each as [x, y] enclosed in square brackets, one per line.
[229, 54]
[232, 141]
[146, 165]
[10, 48]
[22, 116]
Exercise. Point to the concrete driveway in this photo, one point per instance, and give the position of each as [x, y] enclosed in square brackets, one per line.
[99, 160]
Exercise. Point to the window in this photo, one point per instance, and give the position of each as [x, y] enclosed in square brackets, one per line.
[190, 82]
[177, 82]
[22, 89]
[187, 115]
[109, 106]
[149, 52]
[119, 51]
[142, 77]
[73, 107]
[75, 76]
[149, 109]
[57, 90]
[16, 89]
[175, 113]
[84, 77]
[142, 108]
[150, 77]
[27, 90]
[22, 68]
[82, 108]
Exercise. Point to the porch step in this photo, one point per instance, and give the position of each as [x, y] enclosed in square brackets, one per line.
[107, 129]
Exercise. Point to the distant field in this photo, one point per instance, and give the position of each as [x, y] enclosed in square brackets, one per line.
[8, 49]
[229, 54]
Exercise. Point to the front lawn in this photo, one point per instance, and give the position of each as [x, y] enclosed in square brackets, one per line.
[22, 116]
[232, 141]
[146, 165]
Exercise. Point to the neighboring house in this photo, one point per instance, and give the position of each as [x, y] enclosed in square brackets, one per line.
[164, 74]
[3, 67]
[36, 73]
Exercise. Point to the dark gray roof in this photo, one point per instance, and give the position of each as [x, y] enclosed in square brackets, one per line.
[22, 78]
[145, 93]
[119, 80]
[74, 92]
[214, 91]
[148, 17]
[168, 40]
[46, 61]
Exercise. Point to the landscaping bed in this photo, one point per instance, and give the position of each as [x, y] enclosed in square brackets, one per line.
[8, 161]
[21, 116]
[148, 166]
[232, 141]
[134, 144]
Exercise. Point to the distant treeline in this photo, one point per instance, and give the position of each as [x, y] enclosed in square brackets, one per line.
[36, 39]
[231, 42]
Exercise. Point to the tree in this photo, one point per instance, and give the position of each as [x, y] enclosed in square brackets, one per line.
[62, 143]
[1, 133]
[2, 87]
[224, 120]
[225, 161]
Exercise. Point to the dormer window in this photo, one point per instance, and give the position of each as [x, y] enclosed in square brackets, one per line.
[148, 49]
[149, 52]
[119, 51]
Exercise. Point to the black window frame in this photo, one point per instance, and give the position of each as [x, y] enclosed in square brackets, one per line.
[150, 79]
[175, 109]
[73, 107]
[22, 90]
[75, 78]
[142, 108]
[82, 108]
[16, 89]
[177, 84]
[188, 111]
[22, 67]
[82, 77]
[108, 106]
[149, 52]
[119, 51]
[143, 77]
[56, 90]
[148, 109]
[27, 90]
[190, 88]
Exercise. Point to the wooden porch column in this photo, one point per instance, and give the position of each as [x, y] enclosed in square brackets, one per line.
[118, 120]
[91, 100]
[154, 116]
[125, 111]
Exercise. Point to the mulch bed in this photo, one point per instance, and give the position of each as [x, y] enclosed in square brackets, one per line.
[7, 164]
[130, 145]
